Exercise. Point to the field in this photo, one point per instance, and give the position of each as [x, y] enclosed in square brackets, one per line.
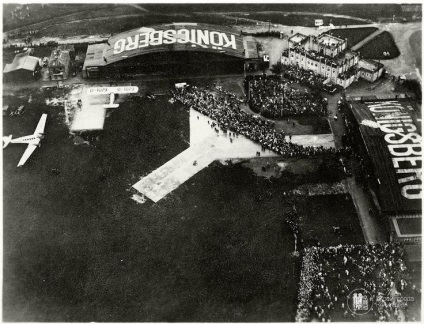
[40, 13]
[324, 212]
[378, 45]
[307, 20]
[77, 248]
[86, 19]
[353, 35]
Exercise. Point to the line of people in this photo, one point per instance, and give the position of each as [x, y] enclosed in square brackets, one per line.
[224, 108]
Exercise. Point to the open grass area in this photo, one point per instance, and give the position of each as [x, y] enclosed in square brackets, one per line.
[105, 25]
[77, 19]
[39, 13]
[63, 12]
[378, 45]
[77, 248]
[307, 20]
[324, 212]
[319, 125]
[353, 35]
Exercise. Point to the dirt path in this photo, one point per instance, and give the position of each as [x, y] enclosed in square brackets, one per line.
[367, 39]
[137, 6]
[304, 13]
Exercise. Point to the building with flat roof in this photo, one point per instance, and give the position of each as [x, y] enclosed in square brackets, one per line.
[60, 62]
[328, 56]
[370, 70]
[297, 39]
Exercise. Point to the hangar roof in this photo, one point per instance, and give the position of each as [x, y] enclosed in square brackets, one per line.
[168, 37]
[376, 119]
[22, 61]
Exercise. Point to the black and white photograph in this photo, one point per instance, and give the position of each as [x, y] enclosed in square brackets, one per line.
[211, 161]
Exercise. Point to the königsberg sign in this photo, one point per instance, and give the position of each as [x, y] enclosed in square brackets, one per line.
[403, 143]
[195, 37]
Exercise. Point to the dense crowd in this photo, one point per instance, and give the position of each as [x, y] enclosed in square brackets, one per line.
[224, 108]
[330, 274]
[275, 98]
[306, 77]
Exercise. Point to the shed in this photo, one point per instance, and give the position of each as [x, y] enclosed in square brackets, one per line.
[23, 67]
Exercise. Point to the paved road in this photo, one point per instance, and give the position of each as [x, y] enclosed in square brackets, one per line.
[363, 202]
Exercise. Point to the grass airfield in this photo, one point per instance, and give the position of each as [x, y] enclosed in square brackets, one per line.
[77, 248]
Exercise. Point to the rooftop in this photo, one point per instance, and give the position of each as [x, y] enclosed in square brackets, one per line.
[174, 37]
[94, 56]
[22, 61]
[250, 47]
[59, 58]
[369, 65]
[391, 187]
[329, 40]
[298, 38]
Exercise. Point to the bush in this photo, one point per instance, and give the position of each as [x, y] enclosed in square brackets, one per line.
[415, 87]
[277, 68]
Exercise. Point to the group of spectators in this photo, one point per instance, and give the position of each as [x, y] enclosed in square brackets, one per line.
[305, 77]
[224, 108]
[330, 274]
[273, 97]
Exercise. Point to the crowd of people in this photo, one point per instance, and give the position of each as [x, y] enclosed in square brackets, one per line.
[306, 77]
[330, 274]
[224, 108]
[273, 97]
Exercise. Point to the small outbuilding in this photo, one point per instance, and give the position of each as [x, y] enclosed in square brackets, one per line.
[23, 67]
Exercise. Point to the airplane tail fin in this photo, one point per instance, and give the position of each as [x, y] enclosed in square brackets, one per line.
[6, 140]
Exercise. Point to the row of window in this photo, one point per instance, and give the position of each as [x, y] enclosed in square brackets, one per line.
[308, 61]
[316, 65]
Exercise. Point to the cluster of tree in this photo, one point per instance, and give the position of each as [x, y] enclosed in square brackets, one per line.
[415, 87]
[270, 33]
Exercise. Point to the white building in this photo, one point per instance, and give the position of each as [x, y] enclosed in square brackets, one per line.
[328, 56]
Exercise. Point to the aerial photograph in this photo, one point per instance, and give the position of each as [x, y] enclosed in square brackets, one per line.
[211, 161]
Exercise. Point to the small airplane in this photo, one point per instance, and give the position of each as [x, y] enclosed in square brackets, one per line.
[32, 140]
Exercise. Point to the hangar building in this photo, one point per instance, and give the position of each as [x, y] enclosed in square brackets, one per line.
[390, 129]
[178, 48]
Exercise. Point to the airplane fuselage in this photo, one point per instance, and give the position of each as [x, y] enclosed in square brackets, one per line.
[30, 139]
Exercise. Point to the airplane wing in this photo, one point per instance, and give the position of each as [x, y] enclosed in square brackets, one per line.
[29, 150]
[41, 124]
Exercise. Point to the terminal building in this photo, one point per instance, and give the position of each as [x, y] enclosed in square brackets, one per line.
[389, 132]
[177, 48]
[328, 56]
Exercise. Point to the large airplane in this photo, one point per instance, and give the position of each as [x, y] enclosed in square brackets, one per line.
[32, 140]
